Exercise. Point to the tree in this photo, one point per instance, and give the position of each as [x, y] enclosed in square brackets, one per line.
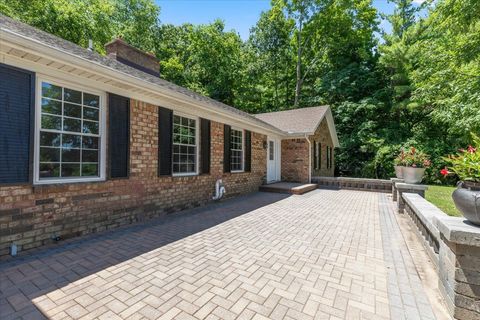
[303, 13]
[269, 60]
[420, 87]
[82, 20]
[404, 16]
[446, 76]
[137, 22]
[204, 58]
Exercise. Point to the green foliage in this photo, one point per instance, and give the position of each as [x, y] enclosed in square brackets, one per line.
[420, 86]
[136, 21]
[431, 93]
[415, 158]
[268, 61]
[204, 58]
[466, 164]
[75, 20]
[359, 134]
[7, 8]
[81, 20]
[447, 72]
[384, 161]
[404, 16]
[400, 159]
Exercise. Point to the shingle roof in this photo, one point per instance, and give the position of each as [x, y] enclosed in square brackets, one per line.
[304, 120]
[55, 42]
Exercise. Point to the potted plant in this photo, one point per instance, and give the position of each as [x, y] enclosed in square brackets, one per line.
[399, 164]
[415, 163]
[466, 165]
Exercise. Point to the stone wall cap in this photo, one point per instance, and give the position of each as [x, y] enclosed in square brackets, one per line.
[426, 211]
[377, 181]
[410, 186]
[459, 231]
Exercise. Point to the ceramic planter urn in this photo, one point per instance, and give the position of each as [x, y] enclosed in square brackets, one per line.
[399, 171]
[467, 200]
[413, 175]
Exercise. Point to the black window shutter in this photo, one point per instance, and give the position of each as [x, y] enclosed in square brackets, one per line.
[328, 157]
[165, 127]
[205, 145]
[17, 96]
[320, 156]
[328, 161]
[226, 148]
[315, 163]
[248, 151]
[118, 135]
[331, 157]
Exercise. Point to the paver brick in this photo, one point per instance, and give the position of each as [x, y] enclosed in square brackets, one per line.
[323, 255]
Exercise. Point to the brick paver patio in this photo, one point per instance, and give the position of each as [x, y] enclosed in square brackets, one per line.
[323, 255]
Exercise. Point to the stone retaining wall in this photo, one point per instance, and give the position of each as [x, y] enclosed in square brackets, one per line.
[376, 185]
[455, 247]
[424, 215]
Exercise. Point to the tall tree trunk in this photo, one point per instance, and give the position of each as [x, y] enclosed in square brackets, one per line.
[276, 84]
[287, 79]
[298, 85]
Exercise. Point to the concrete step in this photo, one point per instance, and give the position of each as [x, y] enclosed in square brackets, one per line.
[291, 188]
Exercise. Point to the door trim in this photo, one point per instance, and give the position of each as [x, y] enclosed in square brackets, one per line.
[277, 160]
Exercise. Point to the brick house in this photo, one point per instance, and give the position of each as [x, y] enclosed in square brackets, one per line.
[91, 142]
[311, 152]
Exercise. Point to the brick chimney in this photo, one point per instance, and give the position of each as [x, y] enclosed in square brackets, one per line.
[121, 51]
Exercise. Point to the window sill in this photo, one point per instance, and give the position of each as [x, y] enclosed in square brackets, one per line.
[237, 171]
[67, 181]
[179, 175]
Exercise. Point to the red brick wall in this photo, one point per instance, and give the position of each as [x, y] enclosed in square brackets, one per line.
[30, 216]
[120, 50]
[322, 135]
[295, 155]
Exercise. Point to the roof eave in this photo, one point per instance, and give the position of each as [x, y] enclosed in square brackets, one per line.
[331, 128]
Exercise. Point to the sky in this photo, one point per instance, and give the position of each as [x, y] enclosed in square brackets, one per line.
[240, 15]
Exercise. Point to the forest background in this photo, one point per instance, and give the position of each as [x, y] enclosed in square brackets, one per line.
[417, 85]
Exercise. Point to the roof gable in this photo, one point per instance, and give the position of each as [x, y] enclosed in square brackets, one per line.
[304, 120]
[301, 121]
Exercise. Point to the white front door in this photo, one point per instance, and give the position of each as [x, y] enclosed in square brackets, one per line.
[273, 161]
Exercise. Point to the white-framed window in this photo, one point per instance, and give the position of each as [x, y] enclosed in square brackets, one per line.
[185, 150]
[69, 135]
[236, 150]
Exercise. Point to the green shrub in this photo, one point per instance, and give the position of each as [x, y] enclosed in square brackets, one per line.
[384, 161]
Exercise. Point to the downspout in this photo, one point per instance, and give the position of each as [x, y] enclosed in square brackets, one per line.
[219, 190]
[309, 159]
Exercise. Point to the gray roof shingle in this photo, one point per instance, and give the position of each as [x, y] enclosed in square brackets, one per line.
[304, 120]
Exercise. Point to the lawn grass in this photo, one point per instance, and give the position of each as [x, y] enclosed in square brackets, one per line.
[441, 196]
